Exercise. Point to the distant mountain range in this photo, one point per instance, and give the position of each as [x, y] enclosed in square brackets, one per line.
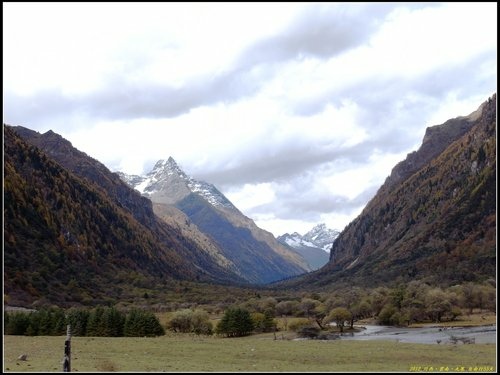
[67, 217]
[434, 218]
[77, 234]
[253, 253]
[314, 246]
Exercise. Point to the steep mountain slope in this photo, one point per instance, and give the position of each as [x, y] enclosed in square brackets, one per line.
[62, 151]
[67, 240]
[314, 256]
[179, 220]
[255, 253]
[313, 245]
[433, 219]
[120, 192]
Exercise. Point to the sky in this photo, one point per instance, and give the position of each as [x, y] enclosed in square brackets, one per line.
[297, 112]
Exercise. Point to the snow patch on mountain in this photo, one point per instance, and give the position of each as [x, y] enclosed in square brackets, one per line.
[295, 240]
[167, 172]
[319, 237]
[142, 185]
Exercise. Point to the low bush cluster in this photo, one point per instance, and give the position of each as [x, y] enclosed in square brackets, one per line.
[191, 321]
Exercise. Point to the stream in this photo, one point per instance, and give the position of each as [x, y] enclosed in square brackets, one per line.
[425, 335]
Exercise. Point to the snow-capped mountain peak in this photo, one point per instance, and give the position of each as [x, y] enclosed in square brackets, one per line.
[168, 167]
[314, 246]
[320, 237]
[167, 183]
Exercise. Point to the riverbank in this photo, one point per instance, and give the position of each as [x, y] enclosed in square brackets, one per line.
[467, 320]
[477, 318]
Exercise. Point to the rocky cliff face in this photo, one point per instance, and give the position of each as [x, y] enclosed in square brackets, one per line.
[436, 139]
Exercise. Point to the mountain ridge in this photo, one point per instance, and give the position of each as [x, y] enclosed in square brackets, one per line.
[168, 184]
[74, 209]
[164, 175]
[433, 219]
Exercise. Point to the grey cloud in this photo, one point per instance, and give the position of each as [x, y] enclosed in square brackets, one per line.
[289, 159]
[389, 112]
[378, 94]
[463, 78]
[308, 206]
[47, 106]
[322, 31]
[391, 120]
[279, 163]
[122, 100]
[394, 119]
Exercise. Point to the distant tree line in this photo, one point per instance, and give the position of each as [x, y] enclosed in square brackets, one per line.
[404, 304]
[101, 321]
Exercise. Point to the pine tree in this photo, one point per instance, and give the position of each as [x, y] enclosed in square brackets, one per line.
[132, 323]
[236, 322]
[142, 323]
[112, 322]
[94, 325]
[269, 323]
[16, 323]
[152, 325]
[78, 319]
[59, 322]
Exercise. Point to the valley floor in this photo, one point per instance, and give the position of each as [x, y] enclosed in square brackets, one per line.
[188, 353]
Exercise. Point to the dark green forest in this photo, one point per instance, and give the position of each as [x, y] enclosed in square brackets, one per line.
[100, 321]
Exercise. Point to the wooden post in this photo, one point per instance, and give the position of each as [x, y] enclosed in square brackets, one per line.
[67, 351]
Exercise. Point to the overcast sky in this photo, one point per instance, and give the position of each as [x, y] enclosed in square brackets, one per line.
[297, 112]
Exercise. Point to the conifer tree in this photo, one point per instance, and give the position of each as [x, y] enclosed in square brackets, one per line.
[94, 327]
[142, 323]
[16, 323]
[236, 322]
[78, 319]
[112, 322]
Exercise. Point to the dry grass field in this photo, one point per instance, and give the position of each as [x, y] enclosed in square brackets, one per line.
[184, 353]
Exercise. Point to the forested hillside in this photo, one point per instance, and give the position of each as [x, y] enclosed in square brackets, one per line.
[434, 219]
[66, 240]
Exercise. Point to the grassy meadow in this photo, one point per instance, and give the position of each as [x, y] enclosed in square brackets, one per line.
[186, 352]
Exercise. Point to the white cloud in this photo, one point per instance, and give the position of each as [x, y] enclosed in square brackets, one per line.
[297, 111]
[251, 195]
